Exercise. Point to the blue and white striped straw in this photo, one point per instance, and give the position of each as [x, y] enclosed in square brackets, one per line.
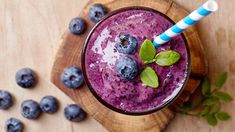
[206, 9]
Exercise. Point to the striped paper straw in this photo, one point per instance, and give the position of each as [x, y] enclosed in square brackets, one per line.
[206, 9]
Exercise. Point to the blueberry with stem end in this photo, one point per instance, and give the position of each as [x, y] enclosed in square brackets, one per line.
[126, 68]
[13, 125]
[126, 44]
[49, 104]
[25, 78]
[72, 77]
[97, 12]
[74, 113]
[6, 100]
[77, 26]
[30, 109]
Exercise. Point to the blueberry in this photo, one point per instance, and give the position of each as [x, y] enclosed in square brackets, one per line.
[25, 78]
[126, 44]
[126, 68]
[49, 104]
[97, 12]
[74, 113]
[13, 125]
[72, 77]
[77, 26]
[5, 100]
[30, 109]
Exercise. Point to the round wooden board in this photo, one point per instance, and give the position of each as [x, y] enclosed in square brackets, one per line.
[69, 54]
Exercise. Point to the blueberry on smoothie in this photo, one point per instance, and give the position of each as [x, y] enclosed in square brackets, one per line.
[13, 125]
[126, 44]
[25, 78]
[77, 26]
[74, 113]
[30, 109]
[72, 77]
[49, 104]
[5, 100]
[126, 68]
[97, 12]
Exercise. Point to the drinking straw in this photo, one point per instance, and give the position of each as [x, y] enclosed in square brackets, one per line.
[206, 9]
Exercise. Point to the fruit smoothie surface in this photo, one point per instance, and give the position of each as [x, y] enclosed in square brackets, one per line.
[101, 55]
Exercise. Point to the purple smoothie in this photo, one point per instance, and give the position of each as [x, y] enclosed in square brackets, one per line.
[101, 55]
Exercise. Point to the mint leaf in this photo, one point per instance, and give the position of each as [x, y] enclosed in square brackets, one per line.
[167, 58]
[205, 111]
[224, 96]
[147, 51]
[206, 86]
[223, 116]
[210, 101]
[149, 77]
[221, 80]
[215, 108]
[211, 119]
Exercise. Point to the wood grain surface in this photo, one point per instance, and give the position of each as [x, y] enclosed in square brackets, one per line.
[29, 36]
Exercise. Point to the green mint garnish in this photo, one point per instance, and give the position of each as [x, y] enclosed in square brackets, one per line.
[148, 55]
[147, 51]
[149, 77]
[164, 58]
[210, 101]
[221, 80]
[209, 106]
[167, 58]
[206, 86]
[223, 96]
[211, 119]
[223, 116]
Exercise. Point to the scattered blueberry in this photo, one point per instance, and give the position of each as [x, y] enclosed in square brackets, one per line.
[5, 100]
[49, 104]
[25, 78]
[77, 26]
[30, 109]
[97, 12]
[72, 77]
[13, 125]
[126, 44]
[74, 113]
[126, 68]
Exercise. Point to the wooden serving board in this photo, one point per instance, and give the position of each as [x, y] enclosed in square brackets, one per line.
[69, 54]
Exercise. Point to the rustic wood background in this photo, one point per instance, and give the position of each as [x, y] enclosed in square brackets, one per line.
[29, 35]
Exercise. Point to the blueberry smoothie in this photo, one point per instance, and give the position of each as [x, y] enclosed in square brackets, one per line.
[101, 55]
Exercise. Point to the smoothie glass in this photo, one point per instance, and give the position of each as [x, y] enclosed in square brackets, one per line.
[99, 56]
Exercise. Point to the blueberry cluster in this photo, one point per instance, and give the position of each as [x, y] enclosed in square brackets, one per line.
[71, 77]
[26, 78]
[126, 67]
[78, 25]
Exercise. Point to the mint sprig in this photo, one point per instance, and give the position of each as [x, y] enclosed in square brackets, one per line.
[209, 106]
[148, 55]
